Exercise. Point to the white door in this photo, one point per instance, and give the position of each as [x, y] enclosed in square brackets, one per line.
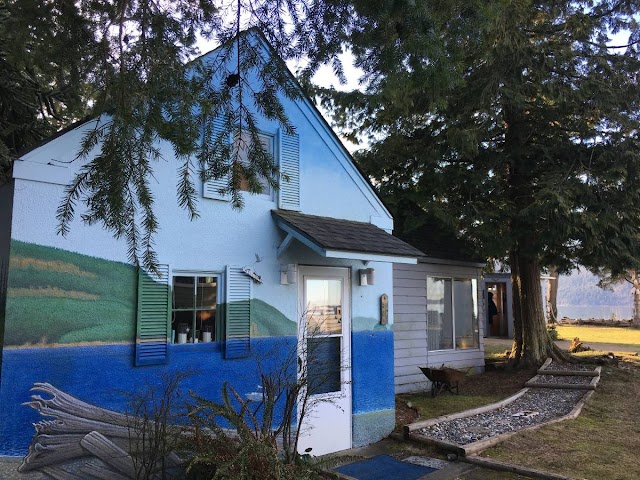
[324, 346]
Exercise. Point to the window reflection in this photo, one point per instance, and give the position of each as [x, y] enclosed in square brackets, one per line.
[324, 306]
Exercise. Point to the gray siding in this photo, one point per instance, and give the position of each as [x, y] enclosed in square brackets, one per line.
[410, 325]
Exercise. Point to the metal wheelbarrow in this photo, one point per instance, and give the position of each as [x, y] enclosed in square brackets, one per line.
[444, 378]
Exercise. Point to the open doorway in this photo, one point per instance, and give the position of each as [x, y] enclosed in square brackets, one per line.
[499, 285]
[499, 326]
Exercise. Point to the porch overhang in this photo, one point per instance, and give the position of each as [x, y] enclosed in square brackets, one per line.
[336, 238]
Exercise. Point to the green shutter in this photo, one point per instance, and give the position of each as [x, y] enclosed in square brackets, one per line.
[238, 313]
[289, 193]
[154, 309]
[211, 188]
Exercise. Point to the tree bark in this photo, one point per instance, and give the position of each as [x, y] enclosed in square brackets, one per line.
[636, 300]
[532, 344]
[552, 295]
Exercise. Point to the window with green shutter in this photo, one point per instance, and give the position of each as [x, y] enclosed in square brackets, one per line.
[189, 313]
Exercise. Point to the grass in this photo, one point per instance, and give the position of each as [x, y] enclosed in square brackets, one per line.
[601, 443]
[592, 334]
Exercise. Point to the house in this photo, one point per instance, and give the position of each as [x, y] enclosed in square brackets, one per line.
[233, 286]
[439, 306]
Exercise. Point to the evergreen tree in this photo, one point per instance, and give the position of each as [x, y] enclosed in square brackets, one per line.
[517, 123]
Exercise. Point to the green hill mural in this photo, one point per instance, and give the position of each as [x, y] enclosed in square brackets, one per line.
[268, 321]
[57, 296]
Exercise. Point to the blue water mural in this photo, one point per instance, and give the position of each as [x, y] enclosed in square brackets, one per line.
[105, 375]
[373, 386]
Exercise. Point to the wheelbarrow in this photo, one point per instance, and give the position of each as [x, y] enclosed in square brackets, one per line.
[444, 378]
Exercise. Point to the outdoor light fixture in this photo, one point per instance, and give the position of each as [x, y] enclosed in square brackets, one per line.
[288, 274]
[367, 276]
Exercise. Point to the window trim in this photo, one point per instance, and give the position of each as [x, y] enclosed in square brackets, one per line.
[453, 312]
[219, 321]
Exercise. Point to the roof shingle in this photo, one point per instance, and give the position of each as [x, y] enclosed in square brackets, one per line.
[346, 235]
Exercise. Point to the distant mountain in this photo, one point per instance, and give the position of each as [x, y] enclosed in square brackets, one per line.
[580, 297]
[581, 288]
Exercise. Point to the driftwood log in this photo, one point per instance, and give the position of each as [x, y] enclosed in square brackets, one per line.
[102, 439]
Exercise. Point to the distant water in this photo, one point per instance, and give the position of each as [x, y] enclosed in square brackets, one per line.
[595, 311]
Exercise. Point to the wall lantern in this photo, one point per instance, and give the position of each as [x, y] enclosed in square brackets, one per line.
[288, 274]
[367, 276]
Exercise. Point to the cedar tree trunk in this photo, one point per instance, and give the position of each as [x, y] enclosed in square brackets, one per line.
[552, 296]
[532, 344]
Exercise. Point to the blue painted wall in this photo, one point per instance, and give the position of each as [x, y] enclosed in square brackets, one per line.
[104, 375]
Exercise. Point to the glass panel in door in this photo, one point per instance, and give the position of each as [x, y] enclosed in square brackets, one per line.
[323, 299]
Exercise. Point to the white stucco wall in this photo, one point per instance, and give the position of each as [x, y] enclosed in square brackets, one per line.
[330, 186]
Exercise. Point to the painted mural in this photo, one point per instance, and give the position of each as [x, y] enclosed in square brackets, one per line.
[71, 323]
[60, 297]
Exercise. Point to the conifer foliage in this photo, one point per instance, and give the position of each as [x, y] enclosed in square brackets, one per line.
[516, 123]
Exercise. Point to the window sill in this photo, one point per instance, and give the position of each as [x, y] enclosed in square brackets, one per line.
[454, 350]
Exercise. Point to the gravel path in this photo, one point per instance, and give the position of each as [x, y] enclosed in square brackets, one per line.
[532, 408]
[568, 367]
[572, 379]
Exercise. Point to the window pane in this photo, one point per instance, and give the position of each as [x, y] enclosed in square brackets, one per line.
[183, 292]
[323, 365]
[206, 322]
[182, 325]
[466, 315]
[324, 306]
[439, 314]
[242, 145]
[207, 292]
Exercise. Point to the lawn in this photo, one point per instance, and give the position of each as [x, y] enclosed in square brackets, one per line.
[601, 443]
[589, 334]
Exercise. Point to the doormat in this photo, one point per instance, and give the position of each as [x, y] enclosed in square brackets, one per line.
[384, 467]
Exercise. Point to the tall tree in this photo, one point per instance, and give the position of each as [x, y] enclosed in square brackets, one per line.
[610, 278]
[530, 148]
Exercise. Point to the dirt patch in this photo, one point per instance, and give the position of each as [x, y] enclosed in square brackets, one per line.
[405, 414]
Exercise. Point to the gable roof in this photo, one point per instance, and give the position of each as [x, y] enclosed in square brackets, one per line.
[305, 97]
[316, 112]
[331, 237]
